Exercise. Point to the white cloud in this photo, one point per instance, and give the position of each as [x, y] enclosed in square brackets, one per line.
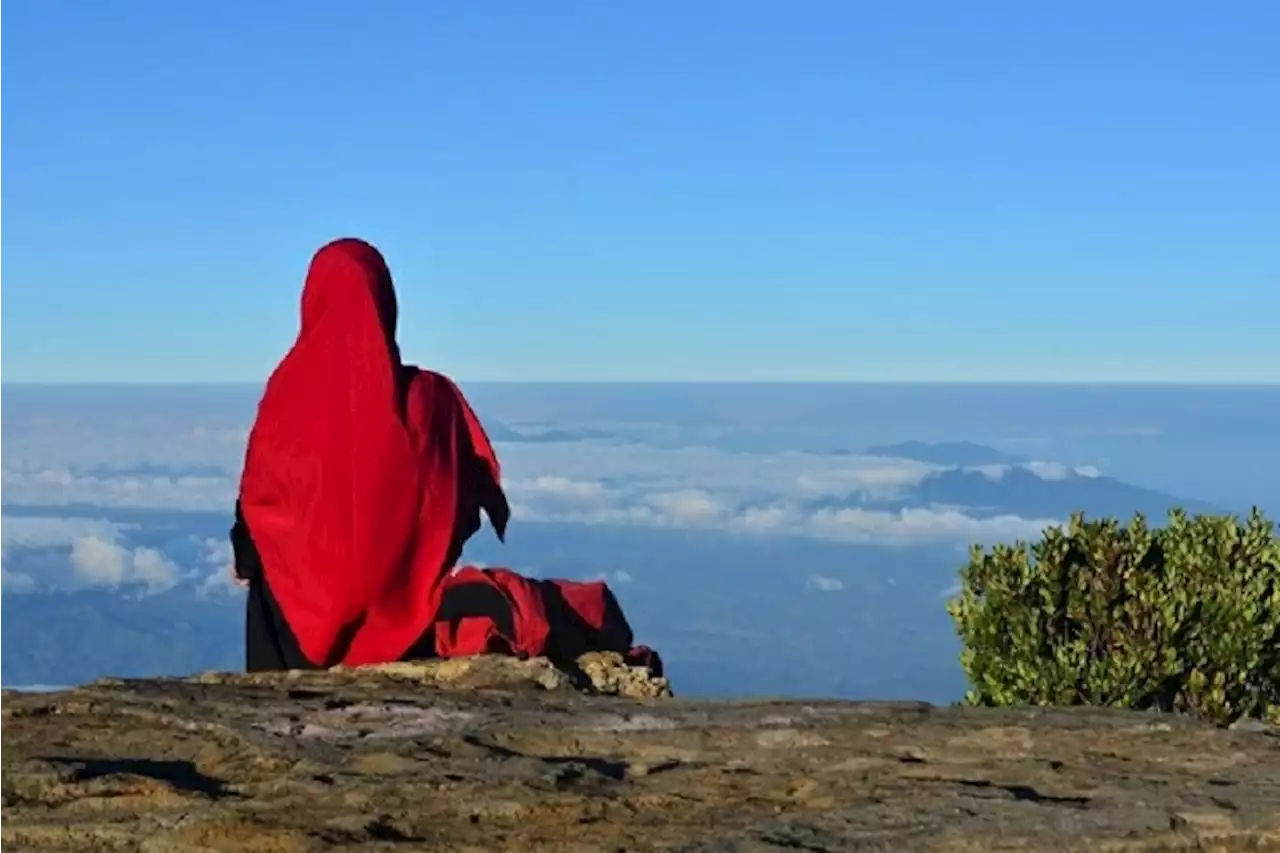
[16, 582]
[689, 506]
[824, 584]
[555, 488]
[994, 473]
[19, 534]
[217, 552]
[569, 488]
[60, 487]
[731, 476]
[767, 519]
[97, 562]
[867, 475]
[18, 531]
[77, 553]
[914, 525]
[216, 566]
[616, 578]
[1049, 470]
[1043, 470]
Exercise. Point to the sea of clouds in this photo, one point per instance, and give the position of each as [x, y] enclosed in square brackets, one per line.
[70, 473]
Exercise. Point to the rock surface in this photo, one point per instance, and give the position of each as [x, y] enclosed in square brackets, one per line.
[493, 754]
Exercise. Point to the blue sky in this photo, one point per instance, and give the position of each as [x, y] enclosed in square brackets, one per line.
[918, 190]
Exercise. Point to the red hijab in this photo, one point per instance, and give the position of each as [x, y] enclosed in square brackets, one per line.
[363, 475]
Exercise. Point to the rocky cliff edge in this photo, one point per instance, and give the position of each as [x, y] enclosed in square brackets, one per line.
[496, 754]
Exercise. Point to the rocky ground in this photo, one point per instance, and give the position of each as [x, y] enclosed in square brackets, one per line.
[492, 754]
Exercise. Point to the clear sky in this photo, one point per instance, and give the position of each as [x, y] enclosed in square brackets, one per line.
[659, 190]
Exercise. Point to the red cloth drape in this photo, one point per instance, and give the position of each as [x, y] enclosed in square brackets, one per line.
[360, 471]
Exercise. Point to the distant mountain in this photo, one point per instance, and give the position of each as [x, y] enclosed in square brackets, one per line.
[559, 435]
[1020, 491]
[958, 454]
[498, 431]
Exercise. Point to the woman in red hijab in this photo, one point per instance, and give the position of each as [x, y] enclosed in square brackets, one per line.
[363, 478]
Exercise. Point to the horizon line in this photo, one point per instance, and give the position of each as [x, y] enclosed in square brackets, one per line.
[213, 383]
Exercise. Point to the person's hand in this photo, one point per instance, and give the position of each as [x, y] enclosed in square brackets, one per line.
[243, 583]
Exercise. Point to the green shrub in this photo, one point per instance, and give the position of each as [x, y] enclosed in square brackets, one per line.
[1181, 618]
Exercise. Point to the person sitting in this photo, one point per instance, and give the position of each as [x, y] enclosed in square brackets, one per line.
[363, 479]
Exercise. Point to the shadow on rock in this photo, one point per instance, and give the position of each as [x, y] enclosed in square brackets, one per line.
[181, 775]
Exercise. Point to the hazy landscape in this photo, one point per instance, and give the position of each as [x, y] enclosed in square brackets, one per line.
[768, 539]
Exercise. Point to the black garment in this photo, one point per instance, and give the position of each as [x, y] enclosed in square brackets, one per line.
[270, 644]
[571, 635]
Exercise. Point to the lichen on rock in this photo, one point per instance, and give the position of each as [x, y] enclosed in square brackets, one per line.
[474, 673]
[603, 673]
[609, 675]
